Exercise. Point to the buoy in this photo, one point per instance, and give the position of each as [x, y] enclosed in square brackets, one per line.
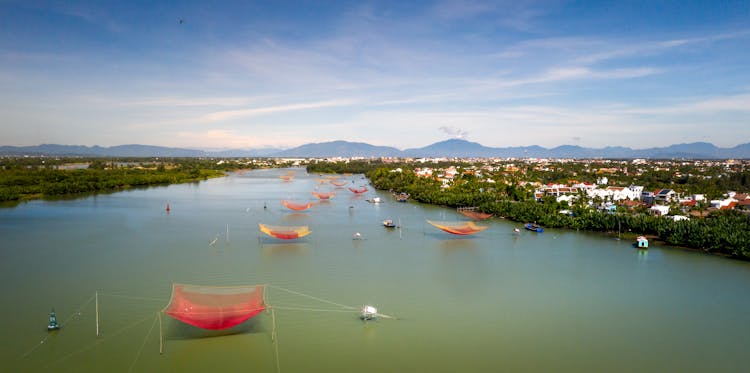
[53, 325]
[168, 209]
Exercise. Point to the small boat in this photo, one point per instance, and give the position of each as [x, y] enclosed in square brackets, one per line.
[516, 230]
[641, 242]
[402, 197]
[368, 313]
[388, 223]
[357, 236]
[53, 325]
[533, 228]
[374, 200]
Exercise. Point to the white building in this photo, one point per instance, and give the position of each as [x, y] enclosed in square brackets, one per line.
[613, 193]
[659, 210]
[637, 189]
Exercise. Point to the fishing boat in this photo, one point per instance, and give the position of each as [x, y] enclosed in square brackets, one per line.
[53, 325]
[388, 223]
[368, 313]
[641, 242]
[533, 228]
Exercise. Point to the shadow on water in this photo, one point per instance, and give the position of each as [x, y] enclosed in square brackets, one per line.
[462, 268]
[176, 330]
[295, 216]
[452, 244]
[268, 250]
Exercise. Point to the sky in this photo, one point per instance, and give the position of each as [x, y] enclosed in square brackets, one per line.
[258, 74]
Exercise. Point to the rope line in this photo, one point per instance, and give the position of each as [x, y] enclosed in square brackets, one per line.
[97, 342]
[307, 309]
[138, 354]
[132, 297]
[76, 313]
[312, 297]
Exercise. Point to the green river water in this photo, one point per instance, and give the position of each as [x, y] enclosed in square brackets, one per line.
[560, 301]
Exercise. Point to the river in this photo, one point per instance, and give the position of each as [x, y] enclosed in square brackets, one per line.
[560, 301]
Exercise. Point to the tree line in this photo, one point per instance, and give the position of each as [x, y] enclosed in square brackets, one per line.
[30, 178]
[721, 232]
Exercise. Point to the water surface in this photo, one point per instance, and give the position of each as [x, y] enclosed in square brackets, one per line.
[495, 301]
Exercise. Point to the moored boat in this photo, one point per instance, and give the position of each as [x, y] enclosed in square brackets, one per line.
[533, 228]
[641, 242]
[401, 197]
[388, 223]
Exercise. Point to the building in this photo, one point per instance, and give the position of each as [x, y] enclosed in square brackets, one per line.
[659, 210]
[665, 195]
[648, 197]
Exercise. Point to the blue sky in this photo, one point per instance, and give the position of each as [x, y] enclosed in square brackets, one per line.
[404, 74]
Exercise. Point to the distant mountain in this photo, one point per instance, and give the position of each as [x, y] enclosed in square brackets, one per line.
[692, 150]
[454, 148]
[98, 151]
[340, 149]
[462, 148]
[451, 148]
[243, 153]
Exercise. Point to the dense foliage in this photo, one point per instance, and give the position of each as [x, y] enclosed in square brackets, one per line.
[28, 178]
[723, 232]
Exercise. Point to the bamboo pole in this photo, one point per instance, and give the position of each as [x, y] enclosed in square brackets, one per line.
[275, 341]
[273, 324]
[96, 296]
[161, 339]
[265, 297]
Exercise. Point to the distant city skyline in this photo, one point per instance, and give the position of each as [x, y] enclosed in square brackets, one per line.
[281, 74]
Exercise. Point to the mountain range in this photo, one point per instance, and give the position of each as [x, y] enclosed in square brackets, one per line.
[454, 148]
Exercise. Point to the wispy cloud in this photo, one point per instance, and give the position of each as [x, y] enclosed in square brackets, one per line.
[243, 113]
[514, 15]
[706, 106]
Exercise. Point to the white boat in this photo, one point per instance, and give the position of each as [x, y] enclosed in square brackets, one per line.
[368, 313]
[641, 242]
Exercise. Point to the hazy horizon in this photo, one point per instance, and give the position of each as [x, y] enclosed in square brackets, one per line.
[219, 149]
[637, 74]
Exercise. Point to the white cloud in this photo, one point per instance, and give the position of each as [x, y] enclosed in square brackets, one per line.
[244, 113]
[454, 131]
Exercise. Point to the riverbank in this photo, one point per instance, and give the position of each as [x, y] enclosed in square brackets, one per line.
[722, 232]
[29, 184]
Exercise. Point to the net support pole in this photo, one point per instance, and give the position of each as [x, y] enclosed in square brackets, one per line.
[265, 297]
[161, 339]
[275, 341]
[96, 297]
[273, 324]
